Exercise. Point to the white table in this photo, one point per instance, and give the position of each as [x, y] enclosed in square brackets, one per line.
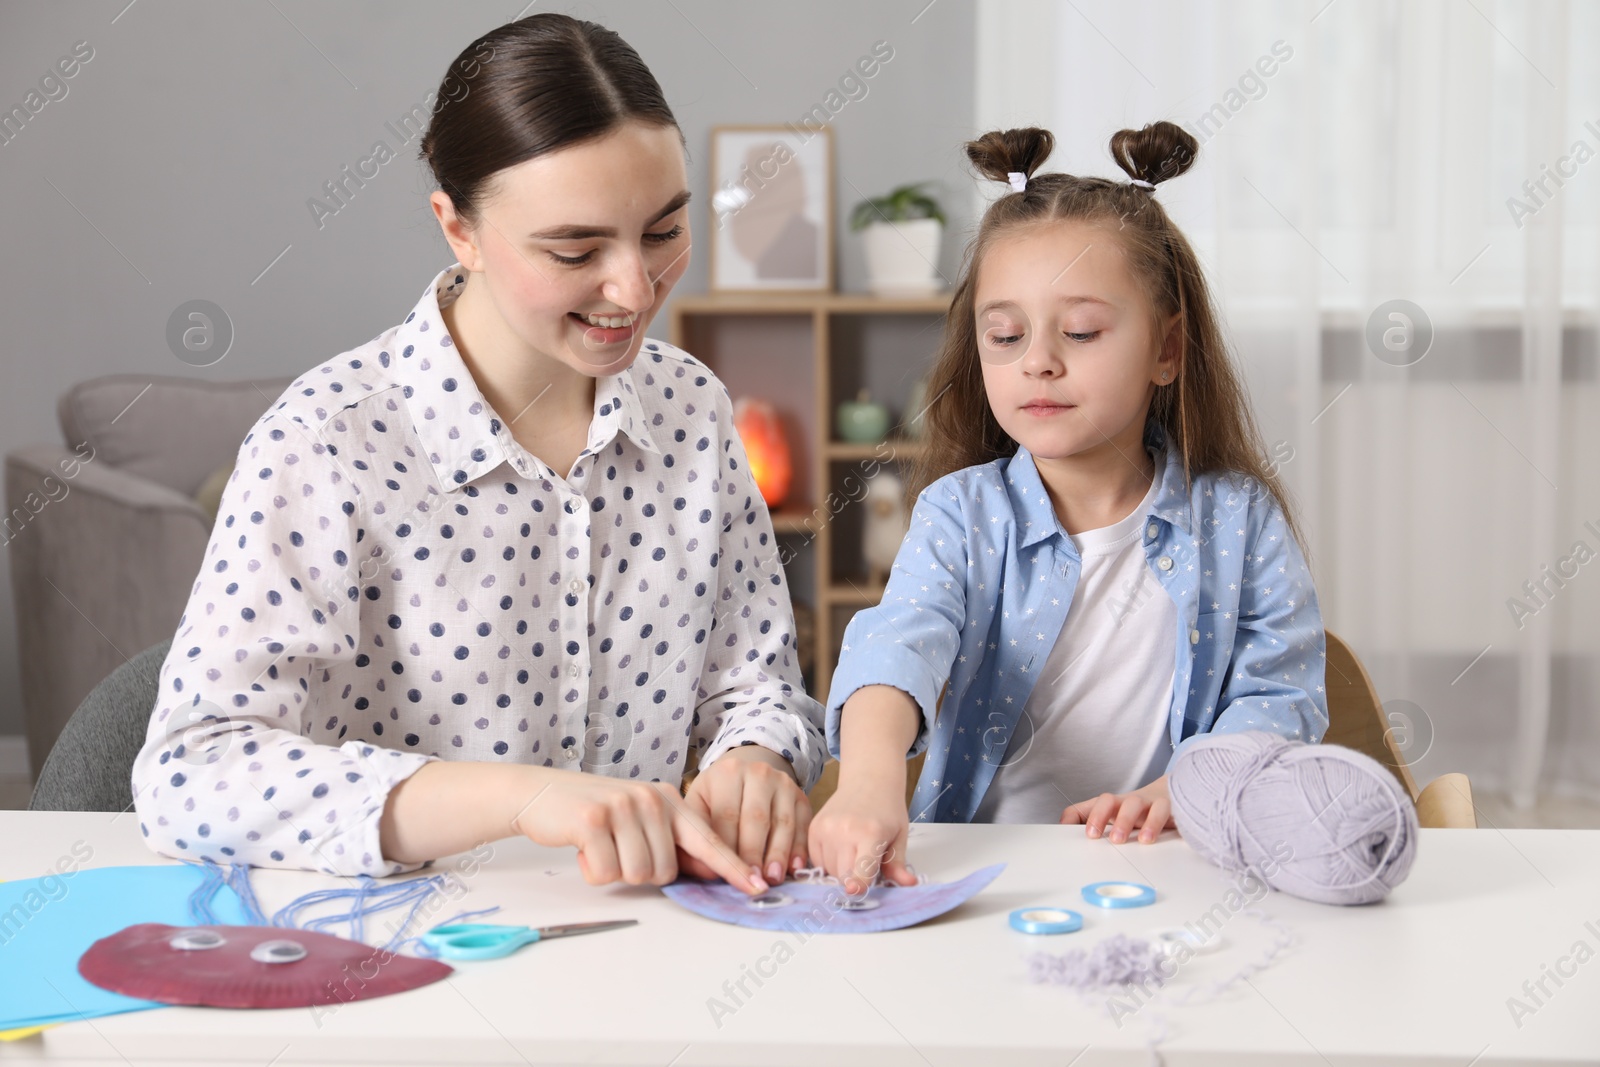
[1423, 978]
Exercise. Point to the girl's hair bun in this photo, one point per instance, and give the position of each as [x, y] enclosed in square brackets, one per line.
[1001, 152]
[1160, 151]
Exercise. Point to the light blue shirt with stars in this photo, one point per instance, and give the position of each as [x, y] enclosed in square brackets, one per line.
[982, 584]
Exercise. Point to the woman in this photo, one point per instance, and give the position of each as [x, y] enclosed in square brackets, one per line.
[504, 541]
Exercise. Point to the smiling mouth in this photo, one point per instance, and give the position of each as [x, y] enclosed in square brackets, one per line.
[607, 322]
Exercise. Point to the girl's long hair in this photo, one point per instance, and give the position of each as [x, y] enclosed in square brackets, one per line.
[1205, 412]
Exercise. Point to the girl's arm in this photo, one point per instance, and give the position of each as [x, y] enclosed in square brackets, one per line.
[894, 660]
[863, 827]
[877, 727]
[911, 638]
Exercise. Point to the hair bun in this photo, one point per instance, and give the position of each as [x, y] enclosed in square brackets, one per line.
[1002, 152]
[1160, 151]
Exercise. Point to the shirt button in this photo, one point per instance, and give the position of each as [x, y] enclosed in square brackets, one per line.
[1165, 563]
[1194, 637]
[571, 753]
[577, 585]
[1151, 531]
[574, 670]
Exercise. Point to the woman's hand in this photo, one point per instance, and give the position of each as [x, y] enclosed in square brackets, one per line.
[1147, 807]
[861, 829]
[635, 832]
[752, 801]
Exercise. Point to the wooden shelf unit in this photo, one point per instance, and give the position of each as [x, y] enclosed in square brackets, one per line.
[794, 350]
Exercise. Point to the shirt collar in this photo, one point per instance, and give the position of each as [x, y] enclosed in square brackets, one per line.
[1172, 496]
[465, 438]
[1030, 501]
[617, 408]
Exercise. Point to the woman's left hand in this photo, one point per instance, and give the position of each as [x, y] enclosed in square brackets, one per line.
[753, 802]
[1147, 807]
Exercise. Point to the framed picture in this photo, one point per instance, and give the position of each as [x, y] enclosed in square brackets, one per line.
[771, 209]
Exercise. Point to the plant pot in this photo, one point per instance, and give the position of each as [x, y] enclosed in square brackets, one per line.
[903, 257]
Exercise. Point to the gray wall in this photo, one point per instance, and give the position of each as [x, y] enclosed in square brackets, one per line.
[179, 163]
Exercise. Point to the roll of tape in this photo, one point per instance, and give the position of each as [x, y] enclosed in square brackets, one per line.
[1046, 921]
[1119, 894]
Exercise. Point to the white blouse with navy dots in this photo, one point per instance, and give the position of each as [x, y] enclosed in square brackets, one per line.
[392, 579]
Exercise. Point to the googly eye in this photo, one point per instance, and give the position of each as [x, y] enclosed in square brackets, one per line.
[767, 901]
[855, 903]
[278, 952]
[197, 940]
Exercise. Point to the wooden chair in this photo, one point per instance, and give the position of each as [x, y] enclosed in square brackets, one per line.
[1356, 720]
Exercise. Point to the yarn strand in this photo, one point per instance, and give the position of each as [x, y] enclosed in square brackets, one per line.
[366, 899]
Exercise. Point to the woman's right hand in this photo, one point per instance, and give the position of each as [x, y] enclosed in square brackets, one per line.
[626, 831]
[860, 829]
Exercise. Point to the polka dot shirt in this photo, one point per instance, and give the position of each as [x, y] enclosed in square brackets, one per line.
[393, 579]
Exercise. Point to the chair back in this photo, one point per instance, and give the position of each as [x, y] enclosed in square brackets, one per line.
[1355, 715]
[90, 767]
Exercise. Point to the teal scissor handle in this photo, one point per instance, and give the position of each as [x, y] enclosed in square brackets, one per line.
[478, 941]
[488, 941]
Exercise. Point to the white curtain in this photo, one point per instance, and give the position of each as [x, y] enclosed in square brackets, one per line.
[1359, 152]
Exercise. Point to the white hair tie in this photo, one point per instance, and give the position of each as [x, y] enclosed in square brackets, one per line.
[1018, 180]
[1141, 183]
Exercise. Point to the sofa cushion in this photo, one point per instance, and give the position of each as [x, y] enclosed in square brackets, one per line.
[209, 496]
[170, 430]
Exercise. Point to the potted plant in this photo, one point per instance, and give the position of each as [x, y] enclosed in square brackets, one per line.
[900, 233]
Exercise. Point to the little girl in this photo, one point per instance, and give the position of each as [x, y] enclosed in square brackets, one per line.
[1102, 564]
[502, 570]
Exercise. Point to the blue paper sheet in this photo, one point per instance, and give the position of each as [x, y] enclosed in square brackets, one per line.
[47, 923]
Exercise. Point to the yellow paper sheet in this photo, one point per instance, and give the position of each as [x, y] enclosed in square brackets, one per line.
[26, 1031]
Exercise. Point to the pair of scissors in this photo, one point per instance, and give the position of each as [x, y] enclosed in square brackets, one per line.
[489, 941]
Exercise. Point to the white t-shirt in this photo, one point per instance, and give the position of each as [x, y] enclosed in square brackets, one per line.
[1097, 719]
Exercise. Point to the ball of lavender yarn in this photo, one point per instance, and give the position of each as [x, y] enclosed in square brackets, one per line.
[1323, 822]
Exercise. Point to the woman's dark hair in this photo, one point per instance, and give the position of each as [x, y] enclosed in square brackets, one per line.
[529, 87]
[1205, 413]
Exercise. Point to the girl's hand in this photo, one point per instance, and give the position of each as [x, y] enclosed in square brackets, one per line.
[751, 800]
[1147, 807]
[860, 829]
[634, 832]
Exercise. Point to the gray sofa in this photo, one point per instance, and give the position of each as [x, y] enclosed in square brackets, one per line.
[104, 534]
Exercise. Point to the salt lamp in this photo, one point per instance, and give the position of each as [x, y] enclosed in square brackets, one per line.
[768, 450]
